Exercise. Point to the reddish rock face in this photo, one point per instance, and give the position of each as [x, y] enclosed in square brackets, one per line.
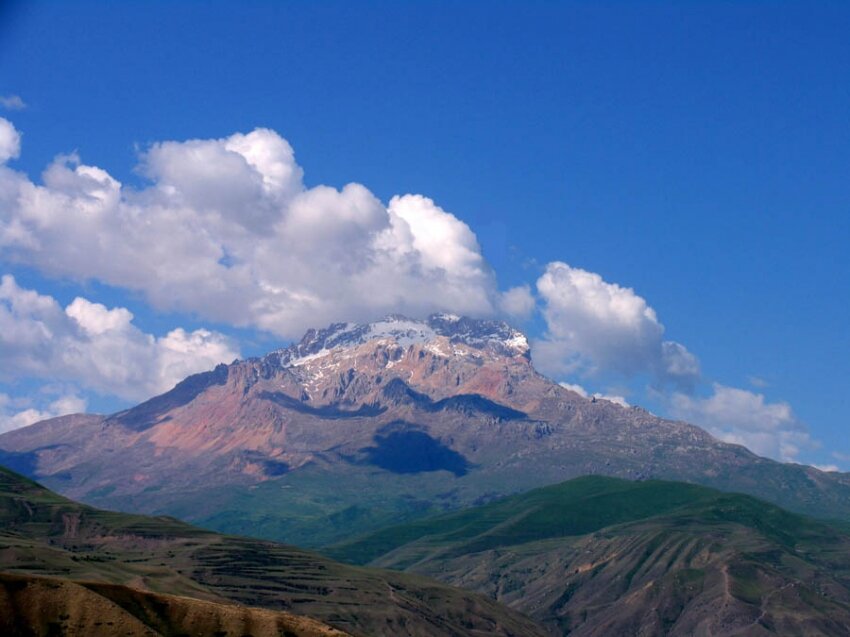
[447, 396]
[258, 418]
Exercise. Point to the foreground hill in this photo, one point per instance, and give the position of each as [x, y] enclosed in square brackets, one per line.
[152, 559]
[32, 605]
[599, 556]
[359, 426]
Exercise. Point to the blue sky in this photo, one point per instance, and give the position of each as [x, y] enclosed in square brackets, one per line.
[695, 153]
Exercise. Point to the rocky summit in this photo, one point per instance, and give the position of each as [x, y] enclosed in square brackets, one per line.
[360, 425]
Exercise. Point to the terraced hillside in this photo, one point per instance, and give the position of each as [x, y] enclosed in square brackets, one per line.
[31, 605]
[44, 534]
[603, 556]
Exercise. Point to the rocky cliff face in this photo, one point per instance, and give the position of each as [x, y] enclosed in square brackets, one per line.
[398, 416]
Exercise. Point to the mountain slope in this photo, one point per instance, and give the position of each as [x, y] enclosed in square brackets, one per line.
[600, 556]
[32, 605]
[359, 426]
[44, 534]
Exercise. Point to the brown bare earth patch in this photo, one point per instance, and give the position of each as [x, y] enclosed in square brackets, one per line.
[32, 605]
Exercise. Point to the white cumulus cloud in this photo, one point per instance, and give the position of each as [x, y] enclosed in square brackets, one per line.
[96, 347]
[594, 325]
[747, 418]
[227, 230]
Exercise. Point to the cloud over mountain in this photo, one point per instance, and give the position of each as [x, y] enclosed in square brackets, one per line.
[226, 229]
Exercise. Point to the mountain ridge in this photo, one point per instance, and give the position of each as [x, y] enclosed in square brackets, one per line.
[359, 425]
[473, 332]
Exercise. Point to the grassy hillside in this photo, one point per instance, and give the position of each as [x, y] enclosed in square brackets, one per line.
[44, 534]
[601, 556]
[575, 507]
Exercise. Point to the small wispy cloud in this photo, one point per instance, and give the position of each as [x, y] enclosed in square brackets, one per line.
[12, 418]
[757, 381]
[829, 468]
[581, 391]
[12, 102]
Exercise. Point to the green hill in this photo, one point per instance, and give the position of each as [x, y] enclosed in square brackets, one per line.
[46, 535]
[575, 507]
[602, 556]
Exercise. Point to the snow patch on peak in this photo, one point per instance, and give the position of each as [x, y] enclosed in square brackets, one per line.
[405, 332]
[480, 333]
[496, 336]
[518, 342]
[303, 360]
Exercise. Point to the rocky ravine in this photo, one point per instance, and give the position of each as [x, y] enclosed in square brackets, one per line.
[357, 426]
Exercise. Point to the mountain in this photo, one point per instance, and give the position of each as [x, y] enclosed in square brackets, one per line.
[127, 569]
[363, 425]
[599, 556]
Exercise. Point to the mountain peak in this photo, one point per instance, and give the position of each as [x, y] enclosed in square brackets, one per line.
[481, 334]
